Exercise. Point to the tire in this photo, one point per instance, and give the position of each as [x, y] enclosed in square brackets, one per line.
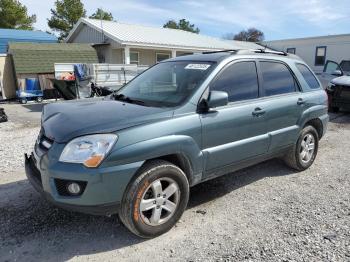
[39, 99]
[294, 158]
[23, 101]
[144, 223]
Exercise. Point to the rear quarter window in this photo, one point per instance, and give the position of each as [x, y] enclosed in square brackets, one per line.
[308, 76]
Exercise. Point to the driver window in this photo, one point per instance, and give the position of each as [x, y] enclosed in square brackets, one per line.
[330, 67]
[239, 81]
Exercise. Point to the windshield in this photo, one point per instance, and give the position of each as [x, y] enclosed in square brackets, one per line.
[166, 84]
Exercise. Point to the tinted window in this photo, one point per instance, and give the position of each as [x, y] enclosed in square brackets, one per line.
[277, 78]
[308, 76]
[345, 66]
[239, 80]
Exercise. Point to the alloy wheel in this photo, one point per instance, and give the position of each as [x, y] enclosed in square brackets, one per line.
[307, 148]
[159, 202]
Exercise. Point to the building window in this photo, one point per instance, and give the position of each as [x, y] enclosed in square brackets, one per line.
[320, 57]
[291, 50]
[161, 57]
[134, 57]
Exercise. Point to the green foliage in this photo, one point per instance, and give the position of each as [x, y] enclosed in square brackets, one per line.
[13, 15]
[183, 24]
[251, 35]
[101, 14]
[65, 16]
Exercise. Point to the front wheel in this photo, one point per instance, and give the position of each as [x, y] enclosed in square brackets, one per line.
[23, 100]
[155, 200]
[304, 152]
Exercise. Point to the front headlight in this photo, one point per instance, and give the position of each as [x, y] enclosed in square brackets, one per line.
[330, 86]
[88, 150]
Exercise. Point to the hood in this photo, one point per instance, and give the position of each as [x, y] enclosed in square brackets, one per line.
[65, 120]
[341, 81]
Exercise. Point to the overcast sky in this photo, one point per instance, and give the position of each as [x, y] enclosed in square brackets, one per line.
[277, 19]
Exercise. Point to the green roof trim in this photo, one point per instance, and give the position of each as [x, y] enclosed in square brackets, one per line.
[36, 58]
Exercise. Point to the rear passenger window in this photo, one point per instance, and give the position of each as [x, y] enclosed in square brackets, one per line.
[239, 80]
[308, 76]
[277, 79]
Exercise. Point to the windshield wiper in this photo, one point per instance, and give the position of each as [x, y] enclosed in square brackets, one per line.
[124, 98]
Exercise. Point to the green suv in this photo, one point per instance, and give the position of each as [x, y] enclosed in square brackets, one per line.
[183, 121]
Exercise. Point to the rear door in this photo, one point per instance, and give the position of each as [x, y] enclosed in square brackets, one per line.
[235, 132]
[283, 103]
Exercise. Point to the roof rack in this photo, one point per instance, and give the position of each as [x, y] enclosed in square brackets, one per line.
[234, 51]
[264, 51]
[221, 51]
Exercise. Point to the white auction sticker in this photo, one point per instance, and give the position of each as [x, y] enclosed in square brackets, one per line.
[197, 66]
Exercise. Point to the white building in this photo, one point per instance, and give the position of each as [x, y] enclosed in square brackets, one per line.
[119, 43]
[315, 51]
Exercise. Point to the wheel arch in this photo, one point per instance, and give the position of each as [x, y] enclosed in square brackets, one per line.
[317, 124]
[180, 160]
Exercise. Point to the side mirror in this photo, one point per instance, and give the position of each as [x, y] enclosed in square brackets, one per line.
[216, 99]
[337, 73]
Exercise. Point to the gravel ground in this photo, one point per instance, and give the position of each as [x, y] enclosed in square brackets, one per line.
[263, 213]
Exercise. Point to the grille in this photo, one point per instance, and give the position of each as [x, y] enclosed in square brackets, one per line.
[61, 186]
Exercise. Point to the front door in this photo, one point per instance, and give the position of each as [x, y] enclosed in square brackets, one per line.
[330, 70]
[237, 131]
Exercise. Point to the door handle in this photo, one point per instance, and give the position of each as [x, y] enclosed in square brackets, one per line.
[258, 112]
[300, 101]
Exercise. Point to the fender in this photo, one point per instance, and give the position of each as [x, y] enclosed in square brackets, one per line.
[313, 112]
[158, 147]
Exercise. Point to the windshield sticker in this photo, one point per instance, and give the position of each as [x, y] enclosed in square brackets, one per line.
[197, 66]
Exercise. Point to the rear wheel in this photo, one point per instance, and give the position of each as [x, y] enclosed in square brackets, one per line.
[304, 152]
[39, 99]
[155, 200]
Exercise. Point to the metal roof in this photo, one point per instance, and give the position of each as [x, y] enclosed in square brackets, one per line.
[13, 35]
[34, 58]
[146, 36]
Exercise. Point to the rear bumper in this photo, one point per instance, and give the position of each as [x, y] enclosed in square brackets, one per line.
[324, 119]
[42, 182]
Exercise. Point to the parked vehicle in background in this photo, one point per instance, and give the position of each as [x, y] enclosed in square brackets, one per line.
[24, 96]
[181, 122]
[338, 85]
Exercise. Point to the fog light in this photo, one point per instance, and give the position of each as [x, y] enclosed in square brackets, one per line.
[73, 188]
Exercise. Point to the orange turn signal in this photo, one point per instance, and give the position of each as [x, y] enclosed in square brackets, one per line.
[93, 161]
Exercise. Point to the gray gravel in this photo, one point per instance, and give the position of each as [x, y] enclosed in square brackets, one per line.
[263, 213]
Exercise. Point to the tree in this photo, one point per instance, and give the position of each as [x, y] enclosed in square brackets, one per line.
[101, 14]
[65, 16]
[13, 15]
[183, 24]
[250, 35]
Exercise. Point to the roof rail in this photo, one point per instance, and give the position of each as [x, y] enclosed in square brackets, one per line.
[221, 51]
[264, 51]
[235, 51]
